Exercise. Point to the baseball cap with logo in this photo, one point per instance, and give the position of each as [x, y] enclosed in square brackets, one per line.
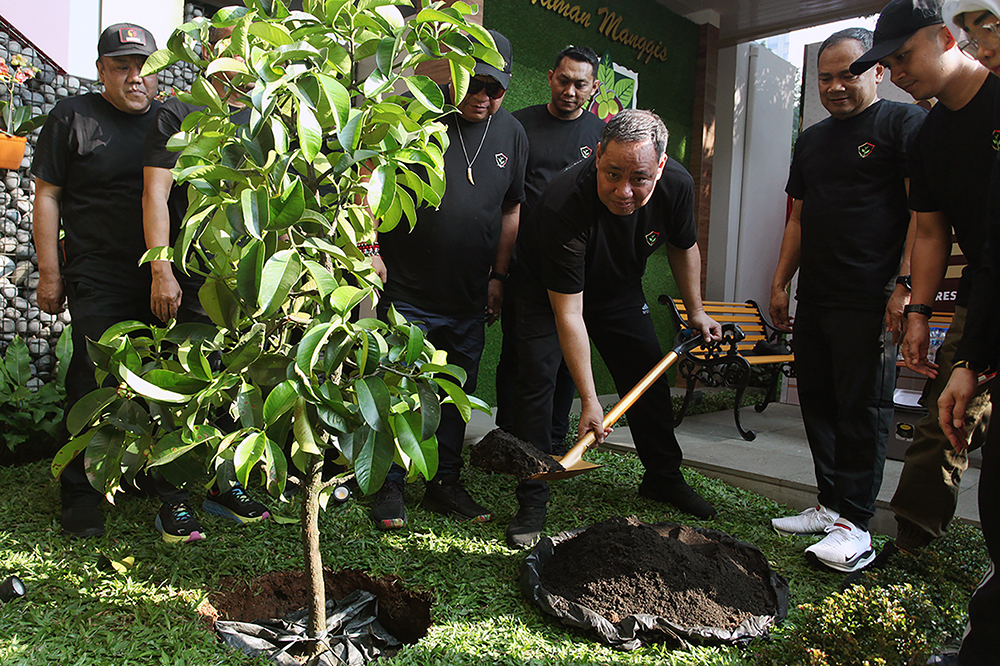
[505, 50]
[899, 20]
[122, 39]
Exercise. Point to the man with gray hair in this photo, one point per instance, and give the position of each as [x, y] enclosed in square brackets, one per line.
[845, 235]
[584, 252]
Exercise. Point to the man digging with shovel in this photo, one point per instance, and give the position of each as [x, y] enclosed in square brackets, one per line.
[584, 254]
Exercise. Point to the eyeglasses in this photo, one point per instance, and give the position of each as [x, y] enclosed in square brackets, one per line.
[971, 46]
[493, 88]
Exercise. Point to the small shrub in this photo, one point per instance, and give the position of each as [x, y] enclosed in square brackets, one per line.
[27, 415]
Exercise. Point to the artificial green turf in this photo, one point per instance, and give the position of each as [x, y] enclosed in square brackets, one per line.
[81, 614]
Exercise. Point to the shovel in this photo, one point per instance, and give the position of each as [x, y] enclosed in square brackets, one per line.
[573, 462]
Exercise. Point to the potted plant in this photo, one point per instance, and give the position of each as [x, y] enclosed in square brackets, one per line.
[16, 121]
[277, 208]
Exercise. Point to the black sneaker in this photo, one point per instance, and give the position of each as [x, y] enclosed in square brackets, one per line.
[679, 494]
[176, 524]
[388, 511]
[236, 505]
[82, 522]
[453, 499]
[526, 527]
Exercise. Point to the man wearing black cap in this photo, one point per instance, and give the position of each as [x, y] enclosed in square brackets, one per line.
[951, 160]
[88, 174]
[448, 272]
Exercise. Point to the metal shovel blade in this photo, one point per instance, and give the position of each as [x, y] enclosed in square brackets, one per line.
[573, 462]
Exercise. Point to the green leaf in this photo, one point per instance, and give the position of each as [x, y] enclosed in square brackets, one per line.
[381, 189]
[460, 77]
[17, 361]
[71, 450]
[426, 91]
[250, 406]
[414, 344]
[385, 54]
[373, 460]
[430, 409]
[311, 346]
[425, 459]
[158, 61]
[205, 94]
[280, 274]
[218, 301]
[346, 297]
[287, 210]
[310, 132]
[169, 448]
[305, 434]
[281, 398]
[102, 459]
[337, 97]
[457, 396]
[326, 284]
[373, 399]
[248, 454]
[248, 350]
[275, 33]
[87, 408]
[255, 207]
[249, 270]
[275, 468]
[226, 65]
[151, 391]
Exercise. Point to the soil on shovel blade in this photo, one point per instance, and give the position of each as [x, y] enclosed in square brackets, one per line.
[405, 613]
[624, 567]
[501, 452]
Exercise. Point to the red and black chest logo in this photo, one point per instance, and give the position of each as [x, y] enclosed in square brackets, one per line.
[996, 139]
[652, 237]
[585, 151]
[501, 160]
[866, 149]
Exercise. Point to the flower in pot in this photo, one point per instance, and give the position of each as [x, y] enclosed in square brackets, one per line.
[16, 121]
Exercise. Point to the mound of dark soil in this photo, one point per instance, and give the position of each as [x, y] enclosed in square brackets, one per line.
[503, 453]
[405, 613]
[624, 567]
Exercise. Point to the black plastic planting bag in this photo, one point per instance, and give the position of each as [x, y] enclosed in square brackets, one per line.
[354, 636]
[635, 630]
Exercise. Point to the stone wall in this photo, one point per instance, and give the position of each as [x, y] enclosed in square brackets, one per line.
[18, 263]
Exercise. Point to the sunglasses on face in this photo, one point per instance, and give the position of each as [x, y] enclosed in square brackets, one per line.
[493, 88]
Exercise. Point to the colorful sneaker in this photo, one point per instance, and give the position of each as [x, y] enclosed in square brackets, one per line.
[846, 547]
[82, 522]
[177, 524]
[454, 500]
[814, 520]
[236, 505]
[388, 511]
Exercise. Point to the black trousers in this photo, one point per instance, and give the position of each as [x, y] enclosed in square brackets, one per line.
[463, 338]
[981, 645]
[624, 335]
[506, 377]
[93, 309]
[845, 364]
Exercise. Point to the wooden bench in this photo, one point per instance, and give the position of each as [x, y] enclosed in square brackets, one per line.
[732, 361]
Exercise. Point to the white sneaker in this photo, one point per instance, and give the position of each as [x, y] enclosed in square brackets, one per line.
[846, 547]
[814, 520]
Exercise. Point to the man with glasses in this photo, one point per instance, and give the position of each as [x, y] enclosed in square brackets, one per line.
[949, 173]
[448, 273]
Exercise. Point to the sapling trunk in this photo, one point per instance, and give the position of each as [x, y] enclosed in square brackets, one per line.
[310, 546]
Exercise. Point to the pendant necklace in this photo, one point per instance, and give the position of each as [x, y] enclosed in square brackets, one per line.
[468, 171]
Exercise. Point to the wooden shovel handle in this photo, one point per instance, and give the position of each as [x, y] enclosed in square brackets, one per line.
[589, 440]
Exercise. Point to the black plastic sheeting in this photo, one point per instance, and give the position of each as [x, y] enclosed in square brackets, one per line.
[354, 636]
[635, 630]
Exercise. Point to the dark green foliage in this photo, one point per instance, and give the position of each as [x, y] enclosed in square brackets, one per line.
[27, 414]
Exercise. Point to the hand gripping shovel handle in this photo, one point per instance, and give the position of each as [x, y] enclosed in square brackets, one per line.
[687, 339]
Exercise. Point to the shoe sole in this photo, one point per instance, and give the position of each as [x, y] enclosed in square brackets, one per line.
[663, 500]
[518, 545]
[89, 533]
[790, 534]
[431, 505]
[856, 564]
[222, 511]
[390, 524]
[177, 538]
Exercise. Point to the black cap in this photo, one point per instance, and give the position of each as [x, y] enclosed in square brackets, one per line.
[899, 20]
[122, 39]
[503, 46]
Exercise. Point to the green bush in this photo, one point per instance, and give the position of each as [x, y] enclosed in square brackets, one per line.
[27, 415]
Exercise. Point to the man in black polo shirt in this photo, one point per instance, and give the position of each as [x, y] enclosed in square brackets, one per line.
[449, 271]
[846, 236]
[951, 159]
[559, 133]
[88, 176]
[583, 254]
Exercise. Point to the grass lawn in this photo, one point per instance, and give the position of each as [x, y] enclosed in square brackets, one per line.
[80, 613]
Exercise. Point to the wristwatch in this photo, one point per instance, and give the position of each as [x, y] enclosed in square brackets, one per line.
[502, 277]
[905, 281]
[976, 368]
[919, 308]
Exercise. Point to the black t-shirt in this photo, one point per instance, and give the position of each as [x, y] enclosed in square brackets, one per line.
[553, 145]
[93, 152]
[573, 243]
[850, 175]
[950, 170]
[167, 122]
[443, 265]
